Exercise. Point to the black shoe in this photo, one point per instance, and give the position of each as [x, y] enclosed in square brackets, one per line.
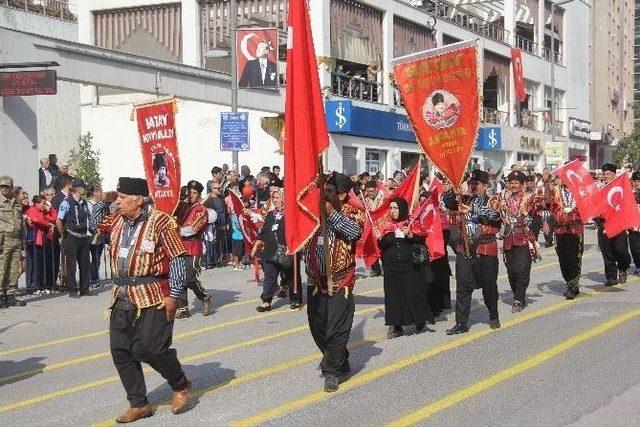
[458, 328]
[331, 384]
[395, 332]
[622, 277]
[517, 307]
[263, 308]
[3, 303]
[494, 324]
[422, 327]
[611, 282]
[296, 305]
[13, 302]
[569, 294]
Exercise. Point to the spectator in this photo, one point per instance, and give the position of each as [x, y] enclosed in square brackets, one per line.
[45, 178]
[39, 225]
[216, 176]
[217, 249]
[237, 243]
[232, 178]
[262, 190]
[50, 263]
[277, 181]
[97, 240]
[399, 176]
[64, 183]
[53, 164]
[245, 175]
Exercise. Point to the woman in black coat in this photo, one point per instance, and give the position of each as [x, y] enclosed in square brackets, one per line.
[272, 235]
[405, 297]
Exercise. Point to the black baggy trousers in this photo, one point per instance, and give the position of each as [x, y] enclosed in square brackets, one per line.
[480, 272]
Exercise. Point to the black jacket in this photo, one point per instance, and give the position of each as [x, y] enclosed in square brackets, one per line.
[397, 253]
[271, 238]
[217, 204]
[252, 75]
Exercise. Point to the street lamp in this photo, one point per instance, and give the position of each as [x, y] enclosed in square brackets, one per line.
[553, 63]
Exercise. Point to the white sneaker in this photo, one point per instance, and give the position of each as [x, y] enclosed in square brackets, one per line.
[47, 291]
[237, 268]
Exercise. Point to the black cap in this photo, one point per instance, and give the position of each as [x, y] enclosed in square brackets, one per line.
[479, 176]
[341, 181]
[516, 176]
[133, 186]
[77, 183]
[195, 185]
[609, 167]
[635, 176]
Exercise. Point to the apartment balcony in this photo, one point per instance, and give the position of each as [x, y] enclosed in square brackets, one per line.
[58, 9]
[528, 120]
[495, 117]
[527, 45]
[472, 23]
[356, 87]
[557, 56]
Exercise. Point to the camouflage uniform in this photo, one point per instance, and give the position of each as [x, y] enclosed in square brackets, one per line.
[11, 242]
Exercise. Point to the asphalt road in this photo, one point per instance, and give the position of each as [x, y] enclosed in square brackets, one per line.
[556, 363]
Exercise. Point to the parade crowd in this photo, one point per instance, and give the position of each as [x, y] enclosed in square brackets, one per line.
[237, 220]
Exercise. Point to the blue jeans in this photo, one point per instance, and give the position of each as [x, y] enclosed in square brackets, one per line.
[33, 268]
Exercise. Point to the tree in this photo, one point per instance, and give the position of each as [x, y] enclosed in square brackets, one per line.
[628, 151]
[85, 161]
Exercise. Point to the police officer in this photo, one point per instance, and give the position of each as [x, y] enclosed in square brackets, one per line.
[12, 233]
[73, 225]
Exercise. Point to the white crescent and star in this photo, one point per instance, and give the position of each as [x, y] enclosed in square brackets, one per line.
[571, 173]
[245, 48]
[611, 193]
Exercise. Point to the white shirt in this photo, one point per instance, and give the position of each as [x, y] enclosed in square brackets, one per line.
[263, 68]
[47, 176]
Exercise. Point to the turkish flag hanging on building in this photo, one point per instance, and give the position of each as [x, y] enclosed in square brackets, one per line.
[159, 145]
[306, 134]
[440, 91]
[582, 186]
[619, 207]
[518, 74]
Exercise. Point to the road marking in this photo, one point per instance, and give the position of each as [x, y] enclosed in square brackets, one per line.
[531, 362]
[274, 369]
[375, 374]
[67, 391]
[178, 336]
[102, 355]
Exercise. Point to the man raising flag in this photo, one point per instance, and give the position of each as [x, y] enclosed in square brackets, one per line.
[330, 305]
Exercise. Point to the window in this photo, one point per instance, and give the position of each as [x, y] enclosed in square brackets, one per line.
[375, 161]
[350, 160]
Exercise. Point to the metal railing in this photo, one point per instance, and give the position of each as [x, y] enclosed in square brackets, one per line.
[560, 128]
[527, 45]
[557, 56]
[473, 23]
[495, 117]
[60, 9]
[356, 88]
[397, 99]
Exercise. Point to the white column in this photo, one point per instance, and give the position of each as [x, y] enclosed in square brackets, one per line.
[387, 56]
[88, 94]
[510, 19]
[191, 54]
[540, 28]
[320, 16]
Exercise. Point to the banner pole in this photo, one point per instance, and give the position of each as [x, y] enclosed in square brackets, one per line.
[325, 233]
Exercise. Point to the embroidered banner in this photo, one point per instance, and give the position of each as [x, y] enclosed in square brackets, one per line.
[159, 145]
[439, 88]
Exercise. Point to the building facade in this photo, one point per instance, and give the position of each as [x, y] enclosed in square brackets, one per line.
[612, 81]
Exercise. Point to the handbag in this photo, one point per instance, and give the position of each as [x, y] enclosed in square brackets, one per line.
[419, 254]
[281, 257]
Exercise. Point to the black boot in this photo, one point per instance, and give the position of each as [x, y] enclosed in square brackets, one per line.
[395, 332]
[331, 383]
[13, 302]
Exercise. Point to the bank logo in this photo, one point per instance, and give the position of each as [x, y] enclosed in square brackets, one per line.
[489, 138]
[493, 139]
[341, 120]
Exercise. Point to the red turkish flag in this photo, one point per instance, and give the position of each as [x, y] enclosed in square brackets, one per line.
[582, 186]
[518, 74]
[306, 134]
[408, 190]
[619, 206]
[439, 88]
[426, 220]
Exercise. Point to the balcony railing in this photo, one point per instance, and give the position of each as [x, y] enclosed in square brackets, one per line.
[356, 88]
[60, 9]
[528, 120]
[472, 23]
[495, 117]
[557, 56]
[527, 45]
[397, 99]
[560, 129]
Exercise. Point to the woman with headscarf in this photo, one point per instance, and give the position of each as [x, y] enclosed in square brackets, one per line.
[405, 298]
[272, 237]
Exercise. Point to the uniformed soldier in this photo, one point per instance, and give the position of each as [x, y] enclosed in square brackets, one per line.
[12, 233]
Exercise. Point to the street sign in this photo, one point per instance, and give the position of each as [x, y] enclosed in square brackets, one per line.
[554, 153]
[28, 83]
[234, 131]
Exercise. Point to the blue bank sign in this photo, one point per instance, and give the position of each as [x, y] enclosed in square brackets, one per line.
[344, 117]
[489, 138]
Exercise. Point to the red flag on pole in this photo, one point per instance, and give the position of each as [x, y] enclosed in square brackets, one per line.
[306, 134]
[518, 74]
[426, 220]
[620, 211]
[582, 186]
[440, 91]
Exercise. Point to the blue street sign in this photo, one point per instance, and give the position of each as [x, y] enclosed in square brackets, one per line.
[489, 138]
[234, 131]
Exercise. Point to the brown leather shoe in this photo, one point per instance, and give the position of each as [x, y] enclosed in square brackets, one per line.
[180, 400]
[206, 305]
[134, 414]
